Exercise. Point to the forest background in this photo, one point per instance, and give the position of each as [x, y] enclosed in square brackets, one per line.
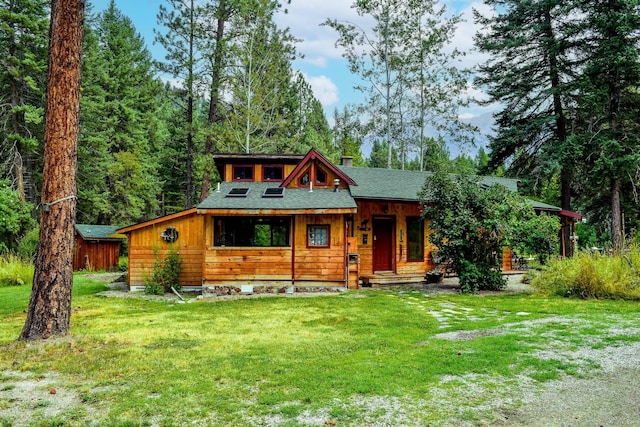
[564, 75]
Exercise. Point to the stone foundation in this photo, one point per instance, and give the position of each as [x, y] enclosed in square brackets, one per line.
[221, 290]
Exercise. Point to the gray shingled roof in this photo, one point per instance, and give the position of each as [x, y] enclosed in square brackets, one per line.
[394, 184]
[89, 232]
[293, 198]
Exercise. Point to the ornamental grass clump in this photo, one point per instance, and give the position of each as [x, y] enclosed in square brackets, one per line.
[592, 275]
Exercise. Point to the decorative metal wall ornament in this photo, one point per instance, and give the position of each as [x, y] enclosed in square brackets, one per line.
[169, 235]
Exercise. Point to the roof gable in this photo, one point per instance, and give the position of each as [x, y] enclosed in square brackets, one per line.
[312, 155]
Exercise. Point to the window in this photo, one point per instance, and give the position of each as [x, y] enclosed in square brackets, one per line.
[415, 239]
[238, 192]
[318, 236]
[242, 173]
[305, 178]
[251, 231]
[272, 173]
[321, 176]
[276, 192]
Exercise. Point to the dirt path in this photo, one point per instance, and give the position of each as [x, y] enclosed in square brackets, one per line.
[609, 399]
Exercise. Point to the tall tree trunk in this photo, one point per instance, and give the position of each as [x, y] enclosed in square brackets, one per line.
[189, 166]
[50, 305]
[216, 82]
[566, 175]
[616, 216]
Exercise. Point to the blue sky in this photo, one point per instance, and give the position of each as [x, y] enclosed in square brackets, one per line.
[322, 64]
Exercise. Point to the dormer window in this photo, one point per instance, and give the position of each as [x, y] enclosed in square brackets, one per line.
[305, 178]
[272, 173]
[321, 176]
[243, 173]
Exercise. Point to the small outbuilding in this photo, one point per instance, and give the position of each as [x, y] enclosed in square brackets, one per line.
[97, 247]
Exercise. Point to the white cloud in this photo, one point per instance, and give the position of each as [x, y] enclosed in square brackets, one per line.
[304, 19]
[324, 90]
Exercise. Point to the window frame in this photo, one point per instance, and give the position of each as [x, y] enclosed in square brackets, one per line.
[233, 173]
[264, 170]
[226, 230]
[326, 227]
[307, 171]
[421, 245]
[316, 180]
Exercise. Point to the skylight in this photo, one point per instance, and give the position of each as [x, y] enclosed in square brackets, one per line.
[238, 192]
[274, 192]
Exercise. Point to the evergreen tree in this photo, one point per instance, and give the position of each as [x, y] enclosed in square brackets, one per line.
[50, 303]
[610, 103]
[530, 73]
[122, 128]
[184, 61]
[261, 81]
[23, 61]
[348, 135]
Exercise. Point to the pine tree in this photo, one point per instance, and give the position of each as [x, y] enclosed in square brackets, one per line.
[23, 61]
[610, 102]
[123, 126]
[530, 73]
[50, 304]
[261, 81]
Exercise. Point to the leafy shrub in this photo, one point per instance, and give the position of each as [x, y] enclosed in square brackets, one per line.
[592, 275]
[471, 224]
[15, 218]
[472, 277]
[123, 263]
[15, 270]
[152, 288]
[28, 246]
[165, 274]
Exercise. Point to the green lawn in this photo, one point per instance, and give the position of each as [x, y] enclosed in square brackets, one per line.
[357, 358]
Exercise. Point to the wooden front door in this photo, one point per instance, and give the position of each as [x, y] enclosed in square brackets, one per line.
[383, 232]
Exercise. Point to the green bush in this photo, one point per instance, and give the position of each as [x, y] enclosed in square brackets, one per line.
[15, 270]
[592, 275]
[165, 274]
[123, 263]
[15, 218]
[28, 246]
[476, 277]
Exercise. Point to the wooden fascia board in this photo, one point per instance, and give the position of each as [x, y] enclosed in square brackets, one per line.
[155, 221]
[315, 155]
[277, 212]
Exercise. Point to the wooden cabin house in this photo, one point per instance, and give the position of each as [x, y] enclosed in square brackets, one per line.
[97, 247]
[291, 223]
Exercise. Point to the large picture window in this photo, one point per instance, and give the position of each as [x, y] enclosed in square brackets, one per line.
[318, 236]
[251, 231]
[415, 239]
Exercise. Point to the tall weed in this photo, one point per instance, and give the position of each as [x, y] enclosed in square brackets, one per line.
[592, 275]
[15, 270]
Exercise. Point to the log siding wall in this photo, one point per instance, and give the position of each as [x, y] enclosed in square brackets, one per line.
[146, 242]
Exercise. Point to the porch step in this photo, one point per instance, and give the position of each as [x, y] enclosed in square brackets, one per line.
[383, 279]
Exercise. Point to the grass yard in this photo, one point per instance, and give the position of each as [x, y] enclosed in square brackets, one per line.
[369, 357]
